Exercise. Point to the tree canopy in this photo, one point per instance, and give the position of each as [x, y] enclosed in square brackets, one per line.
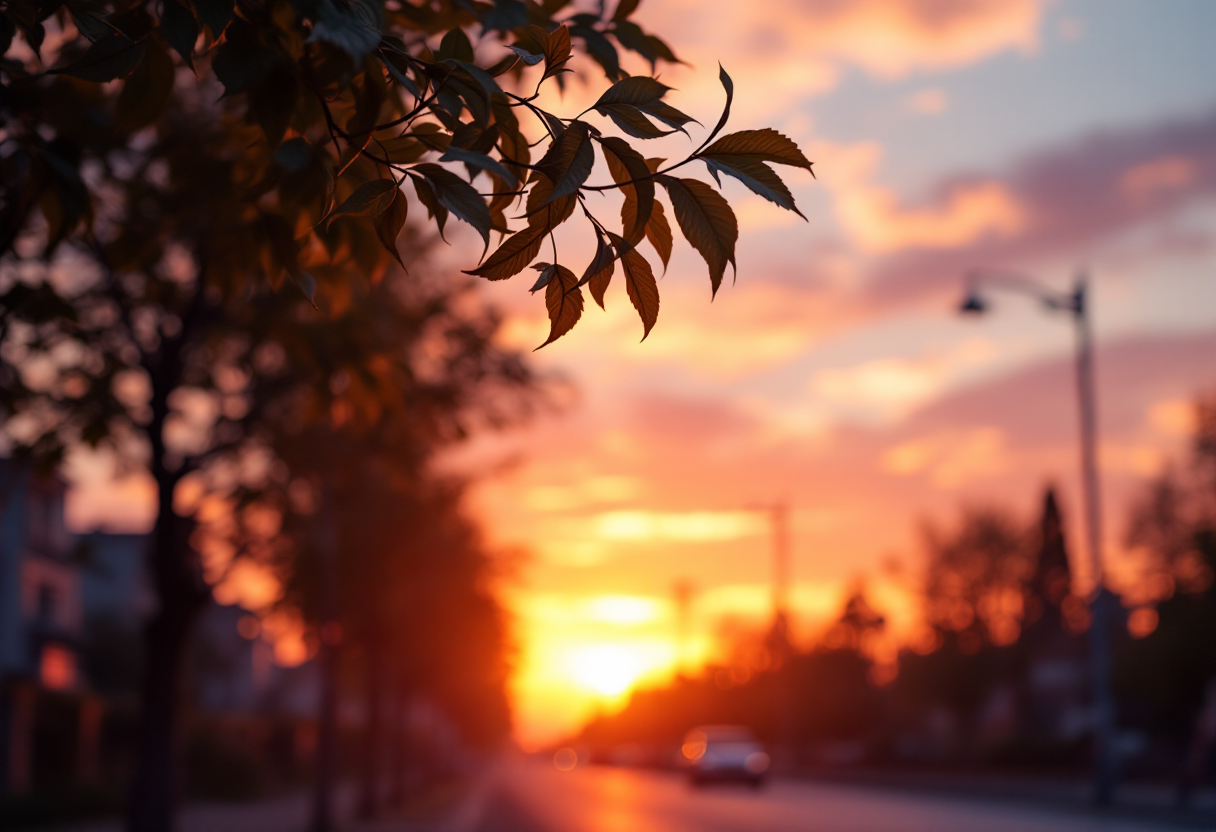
[329, 110]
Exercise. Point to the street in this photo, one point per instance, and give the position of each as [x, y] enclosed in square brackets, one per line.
[534, 797]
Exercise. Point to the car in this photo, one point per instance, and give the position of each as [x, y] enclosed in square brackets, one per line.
[720, 753]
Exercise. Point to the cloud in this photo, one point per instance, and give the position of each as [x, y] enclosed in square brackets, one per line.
[928, 102]
[875, 220]
[1055, 202]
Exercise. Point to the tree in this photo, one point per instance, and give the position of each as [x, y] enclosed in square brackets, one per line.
[372, 542]
[133, 340]
[165, 167]
[308, 90]
[975, 579]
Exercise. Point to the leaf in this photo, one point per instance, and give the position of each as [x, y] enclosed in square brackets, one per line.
[547, 272]
[179, 29]
[458, 196]
[545, 212]
[600, 49]
[390, 222]
[569, 160]
[632, 122]
[630, 171]
[240, 61]
[599, 272]
[729, 86]
[658, 231]
[564, 300]
[706, 221]
[402, 150]
[286, 254]
[115, 56]
[556, 47]
[434, 208]
[653, 49]
[480, 160]
[455, 45]
[368, 200]
[756, 175]
[294, 155]
[766, 145]
[272, 101]
[527, 57]
[146, 91]
[639, 284]
[513, 256]
[624, 9]
[215, 14]
[351, 25]
[626, 100]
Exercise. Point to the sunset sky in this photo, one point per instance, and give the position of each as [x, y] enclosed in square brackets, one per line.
[835, 374]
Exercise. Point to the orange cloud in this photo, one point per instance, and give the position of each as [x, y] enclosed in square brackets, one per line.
[1147, 179]
[873, 217]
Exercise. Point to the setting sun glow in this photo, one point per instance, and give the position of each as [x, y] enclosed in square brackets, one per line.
[606, 669]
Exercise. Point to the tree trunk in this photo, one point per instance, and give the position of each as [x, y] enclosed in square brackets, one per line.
[369, 792]
[181, 595]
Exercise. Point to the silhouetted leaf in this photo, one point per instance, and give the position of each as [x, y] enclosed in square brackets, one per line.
[458, 196]
[627, 99]
[179, 29]
[146, 91]
[756, 175]
[351, 25]
[650, 47]
[368, 200]
[272, 101]
[600, 49]
[434, 208]
[639, 283]
[547, 272]
[115, 56]
[390, 222]
[543, 210]
[240, 61]
[514, 255]
[707, 222]
[569, 160]
[564, 300]
[624, 9]
[729, 86]
[600, 268]
[455, 45]
[294, 155]
[556, 47]
[215, 14]
[630, 171]
[658, 231]
[479, 160]
[766, 145]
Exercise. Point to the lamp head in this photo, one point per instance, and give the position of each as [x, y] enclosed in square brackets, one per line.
[973, 304]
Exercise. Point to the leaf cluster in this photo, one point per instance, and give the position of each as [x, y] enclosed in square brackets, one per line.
[332, 120]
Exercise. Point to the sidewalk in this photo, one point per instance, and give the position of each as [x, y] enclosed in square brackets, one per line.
[454, 810]
[1151, 801]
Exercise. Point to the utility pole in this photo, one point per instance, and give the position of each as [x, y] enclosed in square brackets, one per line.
[1076, 303]
[780, 649]
[683, 591]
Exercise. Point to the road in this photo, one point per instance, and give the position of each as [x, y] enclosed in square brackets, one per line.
[534, 797]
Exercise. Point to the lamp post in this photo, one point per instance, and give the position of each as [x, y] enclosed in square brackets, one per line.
[1075, 303]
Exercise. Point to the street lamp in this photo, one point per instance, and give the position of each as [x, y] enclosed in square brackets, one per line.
[1074, 303]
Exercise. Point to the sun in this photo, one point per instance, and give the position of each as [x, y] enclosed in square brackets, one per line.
[606, 669]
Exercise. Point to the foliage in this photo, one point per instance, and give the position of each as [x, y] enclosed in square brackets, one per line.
[976, 577]
[329, 108]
